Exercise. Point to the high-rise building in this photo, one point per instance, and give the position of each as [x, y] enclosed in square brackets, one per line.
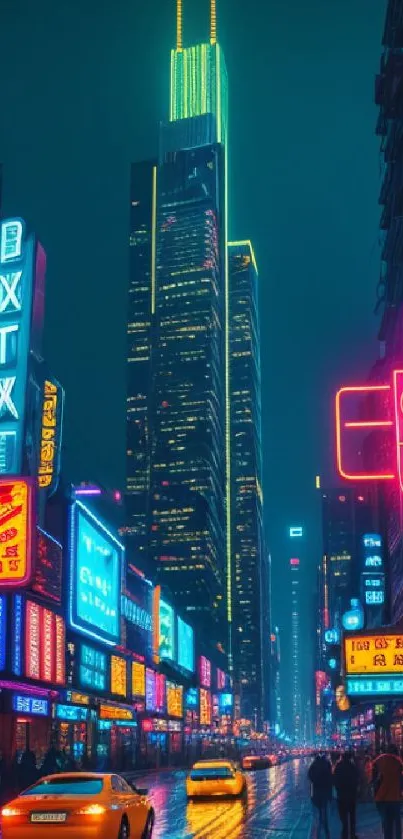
[250, 598]
[276, 705]
[139, 325]
[295, 648]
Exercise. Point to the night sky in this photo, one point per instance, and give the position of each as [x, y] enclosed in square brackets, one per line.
[83, 86]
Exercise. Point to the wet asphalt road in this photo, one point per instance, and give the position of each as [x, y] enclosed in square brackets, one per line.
[277, 807]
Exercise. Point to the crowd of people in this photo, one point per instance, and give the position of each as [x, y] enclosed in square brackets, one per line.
[25, 772]
[354, 777]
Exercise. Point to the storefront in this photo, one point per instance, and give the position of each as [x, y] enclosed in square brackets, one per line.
[25, 722]
[153, 743]
[117, 739]
[75, 727]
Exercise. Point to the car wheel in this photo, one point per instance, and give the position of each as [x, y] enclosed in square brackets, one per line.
[124, 831]
[148, 830]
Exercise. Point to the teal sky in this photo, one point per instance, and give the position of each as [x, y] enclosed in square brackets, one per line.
[83, 86]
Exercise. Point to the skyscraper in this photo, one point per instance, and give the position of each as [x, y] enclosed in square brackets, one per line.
[295, 649]
[249, 596]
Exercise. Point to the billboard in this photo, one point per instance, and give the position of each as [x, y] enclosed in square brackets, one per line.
[373, 663]
[174, 700]
[96, 559]
[45, 644]
[151, 698]
[205, 671]
[51, 436]
[186, 658]
[3, 631]
[93, 668]
[296, 532]
[17, 532]
[138, 679]
[166, 631]
[22, 275]
[118, 675]
[205, 707]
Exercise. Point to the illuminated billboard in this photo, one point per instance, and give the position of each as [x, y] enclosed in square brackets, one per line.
[151, 694]
[373, 663]
[17, 532]
[118, 675]
[51, 435]
[160, 693]
[186, 658]
[96, 558]
[93, 668]
[138, 679]
[45, 644]
[166, 631]
[174, 700]
[373, 587]
[3, 630]
[205, 707]
[47, 579]
[205, 671]
[22, 273]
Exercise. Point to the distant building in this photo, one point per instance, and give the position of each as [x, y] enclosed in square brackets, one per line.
[276, 705]
[296, 648]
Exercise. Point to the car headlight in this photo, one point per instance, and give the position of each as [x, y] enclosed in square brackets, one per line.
[91, 810]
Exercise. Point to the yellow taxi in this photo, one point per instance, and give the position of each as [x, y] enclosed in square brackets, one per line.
[75, 804]
[209, 778]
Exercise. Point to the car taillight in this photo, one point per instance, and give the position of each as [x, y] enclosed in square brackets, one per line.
[91, 810]
[9, 812]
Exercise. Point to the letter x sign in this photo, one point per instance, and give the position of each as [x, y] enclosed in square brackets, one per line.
[380, 409]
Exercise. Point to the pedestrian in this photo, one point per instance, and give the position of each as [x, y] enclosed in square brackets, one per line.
[320, 776]
[345, 779]
[27, 771]
[387, 773]
[52, 762]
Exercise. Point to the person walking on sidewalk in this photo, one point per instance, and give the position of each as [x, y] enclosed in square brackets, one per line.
[387, 773]
[320, 776]
[346, 779]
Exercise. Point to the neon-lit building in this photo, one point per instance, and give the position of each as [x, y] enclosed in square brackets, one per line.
[249, 611]
[296, 698]
[139, 324]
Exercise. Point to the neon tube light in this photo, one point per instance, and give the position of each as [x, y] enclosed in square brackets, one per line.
[5, 684]
[398, 403]
[153, 238]
[369, 424]
[361, 476]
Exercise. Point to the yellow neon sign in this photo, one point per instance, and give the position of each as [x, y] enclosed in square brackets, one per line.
[373, 654]
[48, 436]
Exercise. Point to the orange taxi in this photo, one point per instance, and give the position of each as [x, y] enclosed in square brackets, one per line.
[85, 805]
[209, 778]
[253, 762]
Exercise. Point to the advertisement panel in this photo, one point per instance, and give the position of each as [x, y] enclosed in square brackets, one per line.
[3, 631]
[96, 558]
[22, 271]
[174, 700]
[44, 644]
[205, 707]
[374, 654]
[185, 646]
[151, 704]
[17, 532]
[138, 679]
[166, 631]
[118, 675]
[136, 608]
[93, 668]
[48, 571]
[205, 671]
[160, 693]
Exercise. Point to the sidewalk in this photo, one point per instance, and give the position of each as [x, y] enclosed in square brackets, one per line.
[368, 823]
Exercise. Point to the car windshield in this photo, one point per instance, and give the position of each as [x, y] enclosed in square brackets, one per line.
[66, 786]
[211, 773]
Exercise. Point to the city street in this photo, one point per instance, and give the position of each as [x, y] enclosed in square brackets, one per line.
[277, 805]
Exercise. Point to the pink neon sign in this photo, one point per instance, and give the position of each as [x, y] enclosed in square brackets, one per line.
[380, 408]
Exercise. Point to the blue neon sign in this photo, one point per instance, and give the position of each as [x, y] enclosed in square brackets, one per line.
[374, 686]
[17, 635]
[93, 668]
[191, 698]
[96, 559]
[72, 713]
[186, 657]
[226, 702]
[30, 705]
[3, 629]
[17, 304]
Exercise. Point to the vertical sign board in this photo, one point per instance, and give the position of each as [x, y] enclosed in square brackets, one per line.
[18, 310]
[51, 434]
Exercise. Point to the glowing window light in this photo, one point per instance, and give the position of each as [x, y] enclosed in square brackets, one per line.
[360, 476]
[153, 238]
[11, 232]
[179, 40]
[213, 22]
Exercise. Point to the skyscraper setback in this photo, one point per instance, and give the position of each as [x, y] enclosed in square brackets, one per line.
[191, 396]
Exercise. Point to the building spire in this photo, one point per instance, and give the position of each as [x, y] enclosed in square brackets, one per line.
[179, 41]
[213, 21]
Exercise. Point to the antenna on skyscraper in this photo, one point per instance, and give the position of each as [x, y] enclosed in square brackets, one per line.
[179, 41]
[213, 22]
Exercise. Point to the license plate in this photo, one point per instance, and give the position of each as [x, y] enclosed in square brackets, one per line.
[48, 818]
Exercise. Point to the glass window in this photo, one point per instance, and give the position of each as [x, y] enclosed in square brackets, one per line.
[67, 786]
[211, 774]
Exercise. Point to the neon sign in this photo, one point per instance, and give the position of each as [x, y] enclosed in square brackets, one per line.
[22, 266]
[354, 617]
[44, 644]
[72, 713]
[52, 413]
[93, 667]
[185, 646]
[118, 675]
[30, 705]
[151, 704]
[205, 671]
[296, 532]
[96, 558]
[166, 631]
[16, 532]
[138, 679]
[384, 413]
[3, 630]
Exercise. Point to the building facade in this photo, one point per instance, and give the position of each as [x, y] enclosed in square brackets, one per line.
[295, 573]
[248, 578]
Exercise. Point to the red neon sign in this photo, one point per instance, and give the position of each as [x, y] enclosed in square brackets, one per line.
[398, 399]
[45, 637]
[343, 425]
